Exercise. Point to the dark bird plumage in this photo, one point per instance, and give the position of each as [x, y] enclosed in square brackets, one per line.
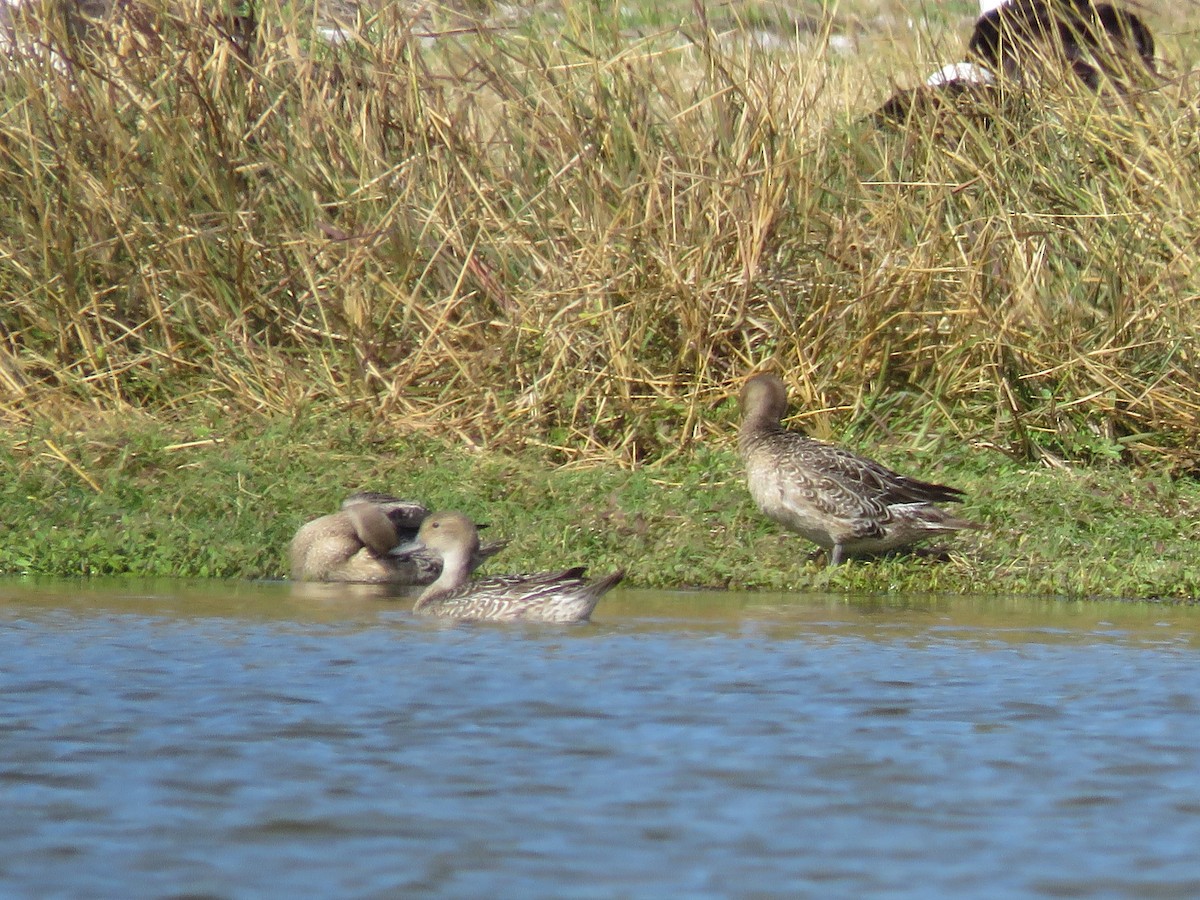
[1024, 40]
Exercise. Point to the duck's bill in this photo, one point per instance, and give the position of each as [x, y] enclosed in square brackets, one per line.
[406, 550]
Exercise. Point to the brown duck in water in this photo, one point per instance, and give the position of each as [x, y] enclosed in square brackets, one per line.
[561, 597]
[844, 502]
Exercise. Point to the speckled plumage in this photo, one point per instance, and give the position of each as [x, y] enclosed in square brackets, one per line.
[841, 501]
[561, 597]
[356, 544]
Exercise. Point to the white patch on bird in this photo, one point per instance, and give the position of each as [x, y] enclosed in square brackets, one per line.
[960, 71]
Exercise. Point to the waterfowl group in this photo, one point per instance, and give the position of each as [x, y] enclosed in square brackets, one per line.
[841, 501]
[845, 503]
[380, 539]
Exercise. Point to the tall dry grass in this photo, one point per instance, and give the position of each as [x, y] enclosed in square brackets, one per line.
[583, 240]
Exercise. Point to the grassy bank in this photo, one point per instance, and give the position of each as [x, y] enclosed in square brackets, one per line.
[560, 236]
[222, 499]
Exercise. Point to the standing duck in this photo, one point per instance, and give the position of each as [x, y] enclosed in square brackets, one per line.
[561, 597]
[844, 502]
[355, 544]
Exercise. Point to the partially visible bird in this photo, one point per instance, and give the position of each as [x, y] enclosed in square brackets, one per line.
[1019, 37]
[843, 502]
[355, 544]
[561, 597]
[1016, 42]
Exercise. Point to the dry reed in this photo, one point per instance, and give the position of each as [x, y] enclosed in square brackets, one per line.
[585, 243]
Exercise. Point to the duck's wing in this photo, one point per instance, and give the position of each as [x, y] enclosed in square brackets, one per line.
[529, 583]
[827, 488]
[871, 480]
[833, 502]
[487, 550]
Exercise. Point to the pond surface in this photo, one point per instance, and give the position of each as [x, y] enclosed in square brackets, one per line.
[255, 740]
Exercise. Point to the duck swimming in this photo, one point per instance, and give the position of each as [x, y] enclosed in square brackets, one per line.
[561, 597]
[843, 502]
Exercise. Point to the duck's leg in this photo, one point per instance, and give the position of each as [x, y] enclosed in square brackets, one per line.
[838, 555]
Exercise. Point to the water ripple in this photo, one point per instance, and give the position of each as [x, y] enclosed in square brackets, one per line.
[797, 750]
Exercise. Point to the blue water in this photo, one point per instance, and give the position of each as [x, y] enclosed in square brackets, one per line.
[239, 741]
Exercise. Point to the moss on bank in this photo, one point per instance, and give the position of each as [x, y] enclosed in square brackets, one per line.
[217, 498]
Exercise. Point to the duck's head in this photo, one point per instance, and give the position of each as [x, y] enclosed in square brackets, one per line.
[764, 398]
[445, 533]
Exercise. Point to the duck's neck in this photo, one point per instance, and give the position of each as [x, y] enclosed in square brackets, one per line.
[456, 570]
[755, 427]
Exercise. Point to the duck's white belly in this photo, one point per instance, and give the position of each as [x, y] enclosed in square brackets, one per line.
[788, 508]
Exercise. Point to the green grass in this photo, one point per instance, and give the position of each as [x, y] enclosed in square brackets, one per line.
[223, 499]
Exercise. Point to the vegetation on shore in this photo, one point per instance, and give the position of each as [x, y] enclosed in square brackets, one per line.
[221, 498]
[521, 268]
